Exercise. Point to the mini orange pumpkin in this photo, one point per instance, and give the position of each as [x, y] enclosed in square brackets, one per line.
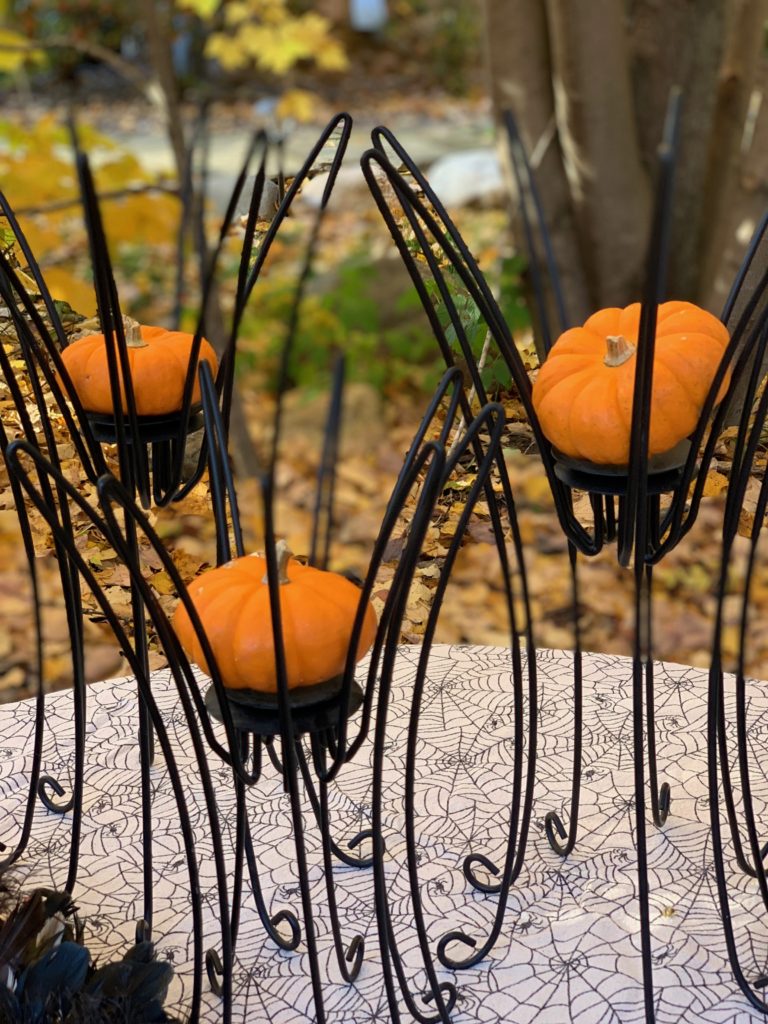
[583, 393]
[317, 611]
[158, 359]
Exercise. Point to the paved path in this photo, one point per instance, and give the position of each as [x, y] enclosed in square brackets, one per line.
[426, 138]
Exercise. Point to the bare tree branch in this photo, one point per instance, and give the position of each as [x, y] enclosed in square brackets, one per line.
[118, 193]
[89, 48]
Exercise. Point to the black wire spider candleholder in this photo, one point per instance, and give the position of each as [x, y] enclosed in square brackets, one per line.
[315, 739]
[646, 508]
[149, 450]
[308, 744]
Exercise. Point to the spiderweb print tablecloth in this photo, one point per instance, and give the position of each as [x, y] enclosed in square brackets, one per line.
[569, 948]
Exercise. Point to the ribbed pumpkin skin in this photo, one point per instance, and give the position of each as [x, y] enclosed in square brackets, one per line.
[158, 371]
[317, 610]
[585, 407]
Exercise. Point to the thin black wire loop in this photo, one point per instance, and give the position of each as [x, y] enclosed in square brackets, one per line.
[215, 971]
[740, 357]
[432, 458]
[349, 959]
[490, 421]
[270, 922]
[527, 191]
[322, 516]
[44, 366]
[319, 761]
[223, 494]
[655, 282]
[17, 451]
[337, 132]
[753, 255]
[407, 482]
[445, 236]
[562, 840]
[72, 603]
[748, 443]
[720, 778]
[113, 496]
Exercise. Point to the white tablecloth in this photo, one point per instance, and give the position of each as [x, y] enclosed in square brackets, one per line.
[569, 947]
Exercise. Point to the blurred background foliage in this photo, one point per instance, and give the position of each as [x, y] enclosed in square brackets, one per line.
[74, 56]
[589, 84]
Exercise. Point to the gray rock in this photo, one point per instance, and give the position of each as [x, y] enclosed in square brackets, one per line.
[471, 176]
[349, 182]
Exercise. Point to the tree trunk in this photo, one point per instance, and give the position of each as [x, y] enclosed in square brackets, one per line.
[680, 42]
[605, 69]
[517, 50]
[156, 19]
[598, 135]
[738, 73]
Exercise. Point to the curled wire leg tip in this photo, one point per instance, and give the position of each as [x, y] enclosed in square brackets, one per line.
[290, 943]
[48, 782]
[354, 842]
[354, 956]
[761, 982]
[448, 991]
[552, 825]
[468, 867]
[449, 961]
[665, 802]
[215, 971]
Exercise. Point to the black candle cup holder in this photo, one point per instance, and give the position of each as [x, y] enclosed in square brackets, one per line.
[151, 429]
[665, 472]
[313, 709]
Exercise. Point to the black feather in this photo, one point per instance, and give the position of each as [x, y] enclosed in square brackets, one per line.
[48, 977]
[45, 988]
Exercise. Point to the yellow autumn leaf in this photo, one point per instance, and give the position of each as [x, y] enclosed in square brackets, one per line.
[15, 52]
[331, 57]
[226, 51]
[716, 483]
[162, 583]
[63, 284]
[237, 12]
[202, 8]
[297, 104]
[265, 33]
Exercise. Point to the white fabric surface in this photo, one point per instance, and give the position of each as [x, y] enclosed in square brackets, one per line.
[569, 947]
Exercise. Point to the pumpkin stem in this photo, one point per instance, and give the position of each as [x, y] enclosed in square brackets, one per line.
[619, 350]
[132, 331]
[283, 553]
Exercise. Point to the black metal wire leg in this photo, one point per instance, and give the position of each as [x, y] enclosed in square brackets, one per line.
[661, 797]
[315, 803]
[553, 825]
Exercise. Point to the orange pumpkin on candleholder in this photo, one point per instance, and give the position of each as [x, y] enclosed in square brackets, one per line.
[158, 359]
[317, 610]
[583, 393]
